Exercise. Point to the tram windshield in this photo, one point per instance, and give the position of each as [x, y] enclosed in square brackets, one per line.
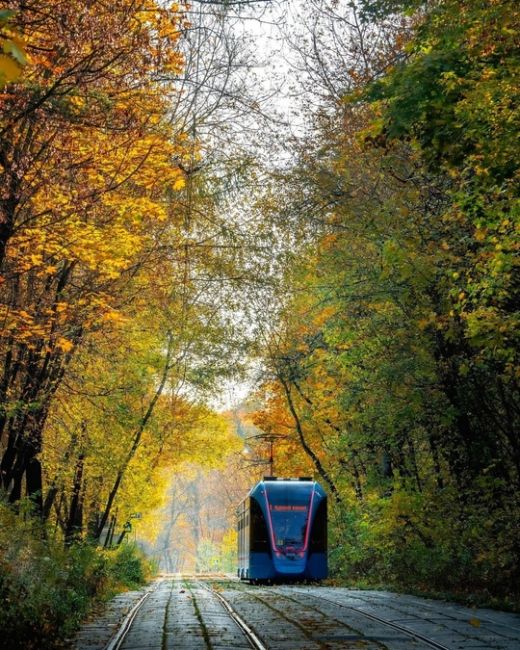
[289, 510]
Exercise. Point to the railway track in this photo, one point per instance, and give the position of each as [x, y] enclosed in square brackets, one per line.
[444, 628]
[250, 635]
[118, 639]
[401, 628]
[214, 611]
[434, 609]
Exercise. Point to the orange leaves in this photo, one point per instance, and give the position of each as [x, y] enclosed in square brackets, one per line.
[64, 344]
[91, 171]
[101, 194]
[163, 25]
[24, 315]
[23, 326]
[324, 315]
[113, 316]
[89, 221]
[9, 69]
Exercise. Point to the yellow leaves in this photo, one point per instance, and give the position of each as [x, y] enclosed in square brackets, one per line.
[77, 101]
[324, 315]
[13, 56]
[25, 327]
[481, 234]
[10, 70]
[64, 344]
[179, 183]
[97, 206]
[114, 316]
[475, 622]
[36, 259]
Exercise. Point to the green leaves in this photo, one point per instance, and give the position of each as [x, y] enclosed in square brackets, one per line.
[412, 396]
[15, 50]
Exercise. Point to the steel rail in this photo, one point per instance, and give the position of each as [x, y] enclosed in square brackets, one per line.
[117, 640]
[406, 630]
[252, 638]
[427, 605]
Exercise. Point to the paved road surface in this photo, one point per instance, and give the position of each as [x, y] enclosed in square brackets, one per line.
[189, 613]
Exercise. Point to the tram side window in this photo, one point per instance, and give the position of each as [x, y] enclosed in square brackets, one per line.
[259, 535]
[319, 529]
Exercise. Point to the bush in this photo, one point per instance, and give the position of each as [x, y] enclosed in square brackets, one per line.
[414, 542]
[129, 566]
[46, 589]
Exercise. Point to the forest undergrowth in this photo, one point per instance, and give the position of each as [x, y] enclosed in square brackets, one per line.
[426, 545]
[47, 589]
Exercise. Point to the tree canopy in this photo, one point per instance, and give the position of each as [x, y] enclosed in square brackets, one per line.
[339, 235]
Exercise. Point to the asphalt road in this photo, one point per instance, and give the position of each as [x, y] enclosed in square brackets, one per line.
[193, 612]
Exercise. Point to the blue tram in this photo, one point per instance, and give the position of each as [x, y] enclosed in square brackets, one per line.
[282, 531]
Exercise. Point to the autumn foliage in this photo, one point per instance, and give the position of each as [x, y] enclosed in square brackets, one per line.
[393, 367]
[373, 275]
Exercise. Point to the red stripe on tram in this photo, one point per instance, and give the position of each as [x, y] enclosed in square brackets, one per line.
[308, 528]
[271, 530]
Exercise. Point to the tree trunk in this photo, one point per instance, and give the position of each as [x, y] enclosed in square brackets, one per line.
[306, 448]
[136, 440]
[74, 524]
[34, 484]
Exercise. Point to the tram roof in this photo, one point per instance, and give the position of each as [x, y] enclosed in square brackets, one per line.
[292, 481]
[279, 478]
